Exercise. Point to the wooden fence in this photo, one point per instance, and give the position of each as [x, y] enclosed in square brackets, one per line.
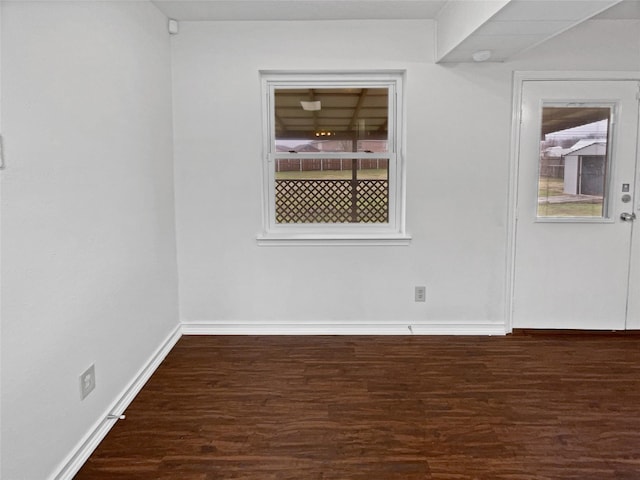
[317, 164]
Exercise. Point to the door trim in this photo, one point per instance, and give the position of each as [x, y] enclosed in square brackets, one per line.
[519, 77]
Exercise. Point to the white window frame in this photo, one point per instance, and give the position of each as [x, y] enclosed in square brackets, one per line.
[391, 233]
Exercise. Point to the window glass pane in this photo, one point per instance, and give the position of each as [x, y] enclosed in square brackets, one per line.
[574, 161]
[331, 119]
[332, 190]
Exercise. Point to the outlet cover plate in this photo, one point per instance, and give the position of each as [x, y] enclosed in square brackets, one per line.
[87, 382]
[421, 294]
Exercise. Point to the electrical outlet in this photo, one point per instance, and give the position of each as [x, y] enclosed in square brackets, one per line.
[421, 294]
[87, 382]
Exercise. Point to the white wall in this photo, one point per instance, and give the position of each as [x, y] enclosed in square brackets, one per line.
[458, 139]
[457, 249]
[88, 238]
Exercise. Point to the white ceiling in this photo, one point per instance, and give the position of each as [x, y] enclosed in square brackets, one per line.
[626, 10]
[202, 10]
[517, 26]
[522, 24]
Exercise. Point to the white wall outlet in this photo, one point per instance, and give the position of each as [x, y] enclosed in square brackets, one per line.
[87, 382]
[421, 294]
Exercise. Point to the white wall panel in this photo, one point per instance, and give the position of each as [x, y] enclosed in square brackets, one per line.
[456, 150]
[88, 241]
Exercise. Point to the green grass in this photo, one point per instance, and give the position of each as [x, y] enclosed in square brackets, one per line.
[551, 187]
[364, 174]
[575, 209]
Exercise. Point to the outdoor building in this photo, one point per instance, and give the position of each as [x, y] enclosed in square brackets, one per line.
[585, 168]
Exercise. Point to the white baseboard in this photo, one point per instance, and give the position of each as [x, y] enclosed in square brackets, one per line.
[341, 328]
[74, 461]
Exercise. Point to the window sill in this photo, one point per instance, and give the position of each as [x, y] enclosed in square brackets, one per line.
[277, 240]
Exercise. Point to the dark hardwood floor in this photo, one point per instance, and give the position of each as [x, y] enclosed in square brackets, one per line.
[376, 408]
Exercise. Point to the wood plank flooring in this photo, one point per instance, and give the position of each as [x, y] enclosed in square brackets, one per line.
[383, 408]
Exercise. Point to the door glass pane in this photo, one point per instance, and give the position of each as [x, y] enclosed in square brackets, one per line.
[574, 161]
[331, 119]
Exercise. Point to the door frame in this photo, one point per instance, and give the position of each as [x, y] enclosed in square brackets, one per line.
[519, 78]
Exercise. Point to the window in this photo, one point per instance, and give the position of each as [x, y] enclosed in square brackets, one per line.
[574, 168]
[333, 169]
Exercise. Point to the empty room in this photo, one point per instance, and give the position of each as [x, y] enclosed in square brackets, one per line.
[319, 239]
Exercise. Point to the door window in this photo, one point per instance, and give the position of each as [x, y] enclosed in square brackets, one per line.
[574, 165]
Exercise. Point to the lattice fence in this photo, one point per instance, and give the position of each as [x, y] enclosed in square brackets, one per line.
[332, 201]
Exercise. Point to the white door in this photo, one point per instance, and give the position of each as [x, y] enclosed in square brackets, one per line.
[574, 248]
